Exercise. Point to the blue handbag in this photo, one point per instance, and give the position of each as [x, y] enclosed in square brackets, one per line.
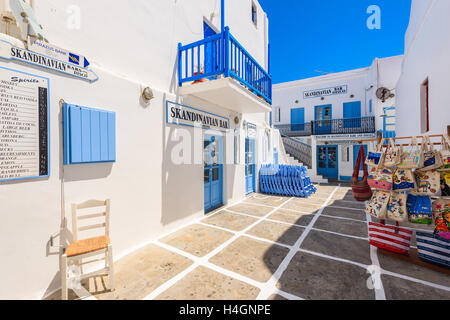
[419, 209]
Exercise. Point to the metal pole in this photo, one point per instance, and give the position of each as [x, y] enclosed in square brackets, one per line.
[222, 14]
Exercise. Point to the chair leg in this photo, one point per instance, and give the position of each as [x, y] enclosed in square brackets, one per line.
[111, 268]
[64, 290]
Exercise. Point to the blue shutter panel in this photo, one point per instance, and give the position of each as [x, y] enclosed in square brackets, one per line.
[89, 135]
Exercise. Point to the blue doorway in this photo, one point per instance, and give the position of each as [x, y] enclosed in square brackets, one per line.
[327, 161]
[211, 61]
[352, 114]
[298, 119]
[250, 177]
[323, 117]
[213, 171]
[356, 149]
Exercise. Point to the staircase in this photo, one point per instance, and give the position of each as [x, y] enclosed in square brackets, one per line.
[300, 154]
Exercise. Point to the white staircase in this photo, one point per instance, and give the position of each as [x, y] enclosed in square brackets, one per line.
[315, 178]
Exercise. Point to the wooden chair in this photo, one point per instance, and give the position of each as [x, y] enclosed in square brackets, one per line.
[86, 248]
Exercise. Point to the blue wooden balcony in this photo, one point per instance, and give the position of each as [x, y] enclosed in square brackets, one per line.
[222, 56]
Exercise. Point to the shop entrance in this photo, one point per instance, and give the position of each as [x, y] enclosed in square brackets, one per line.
[250, 177]
[327, 161]
[213, 171]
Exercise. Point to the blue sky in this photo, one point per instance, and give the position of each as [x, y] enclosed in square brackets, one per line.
[331, 35]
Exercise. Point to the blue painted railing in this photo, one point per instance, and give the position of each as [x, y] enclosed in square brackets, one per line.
[222, 54]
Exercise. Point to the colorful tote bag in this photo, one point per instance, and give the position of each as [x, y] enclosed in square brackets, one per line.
[441, 215]
[445, 154]
[392, 157]
[390, 238]
[413, 158]
[396, 209]
[381, 179]
[360, 188]
[428, 183]
[445, 183]
[376, 159]
[404, 180]
[431, 158]
[433, 248]
[419, 209]
[377, 205]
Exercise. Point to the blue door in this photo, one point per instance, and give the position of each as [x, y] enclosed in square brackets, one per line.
[213, 172]
[356, 153]
[352, 114]
[250, 177]
[211, 61]
[323, 116]
[327, 161]
[298, 119]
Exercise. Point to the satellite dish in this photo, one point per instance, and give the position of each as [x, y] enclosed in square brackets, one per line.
[384, 93]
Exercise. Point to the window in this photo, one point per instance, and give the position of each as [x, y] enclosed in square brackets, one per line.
[277, 113]
[425, 106]
[254, 14]
[345, 154]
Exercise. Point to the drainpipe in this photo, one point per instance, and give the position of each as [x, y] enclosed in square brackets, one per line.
[222, 14]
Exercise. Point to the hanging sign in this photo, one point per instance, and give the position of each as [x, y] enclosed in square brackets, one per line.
[10, 52]
[325, 92]
[251, 131]
[24, 138]
[187, 116]
[57, 53]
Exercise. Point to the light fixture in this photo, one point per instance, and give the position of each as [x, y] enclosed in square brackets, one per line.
[147, 94]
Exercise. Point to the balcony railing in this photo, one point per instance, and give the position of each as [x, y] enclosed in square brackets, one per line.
[219, 55]
[322, 127]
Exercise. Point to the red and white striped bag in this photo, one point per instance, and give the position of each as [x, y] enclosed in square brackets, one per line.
[386, 237]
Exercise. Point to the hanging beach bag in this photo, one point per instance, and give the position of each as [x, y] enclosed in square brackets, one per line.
[390, 238]
[413, 158]
[433, 248]
[396, 209]
[445, 183]
[419, 209]
[404, 180]
[377, 205]
[431, 158]
[441, 216]
[445, 154]
[376, 159]
[360, 188]
[380, 179]
[428, 183]
[392, 157]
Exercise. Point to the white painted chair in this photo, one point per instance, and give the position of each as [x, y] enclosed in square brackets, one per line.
[87, 248]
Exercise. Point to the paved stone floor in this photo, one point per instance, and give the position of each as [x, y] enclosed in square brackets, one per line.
[274, 248]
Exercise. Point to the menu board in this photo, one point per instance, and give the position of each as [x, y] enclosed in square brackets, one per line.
[24, 137]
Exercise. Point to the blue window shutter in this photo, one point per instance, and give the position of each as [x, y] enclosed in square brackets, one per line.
[112, 136]
[75, 134]
[104, 155]
[95, 136]
[86, 135]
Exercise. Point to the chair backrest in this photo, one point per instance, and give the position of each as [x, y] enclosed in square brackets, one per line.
[76, 217]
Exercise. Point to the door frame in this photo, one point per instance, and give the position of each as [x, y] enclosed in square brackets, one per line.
[247, 164]
[325, 174]
[322, 128]
[221, 173]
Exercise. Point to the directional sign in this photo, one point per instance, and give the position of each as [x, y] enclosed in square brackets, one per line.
[57, 53]
[10, 52]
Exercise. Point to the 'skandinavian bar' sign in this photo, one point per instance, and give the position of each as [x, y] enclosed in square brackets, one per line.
[325, 92]
[183, 115]
[10, 52]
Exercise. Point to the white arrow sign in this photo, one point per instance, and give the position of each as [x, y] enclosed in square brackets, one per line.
[10, 52]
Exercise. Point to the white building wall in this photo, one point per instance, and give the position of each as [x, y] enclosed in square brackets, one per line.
[427, 52]
[130, 46]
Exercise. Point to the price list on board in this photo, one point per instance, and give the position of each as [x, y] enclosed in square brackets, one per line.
[23, 125]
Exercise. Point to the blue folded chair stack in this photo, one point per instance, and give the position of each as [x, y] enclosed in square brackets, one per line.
[284, 180]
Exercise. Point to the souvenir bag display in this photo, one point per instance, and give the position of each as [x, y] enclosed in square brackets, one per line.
[413, 158]
[404, 180]
[392, 156]
[445, 154]
[381, 179]
[428, 183]
[419, 209]
[377, 205]
[360, 188]
[390, 238]
[431, 158]
[441, 216]
[376, 159]
[433, 248]
[396, 209]
[445, 183]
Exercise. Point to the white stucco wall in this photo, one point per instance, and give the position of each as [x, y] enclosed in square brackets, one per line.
[130, 46]
[428, 49]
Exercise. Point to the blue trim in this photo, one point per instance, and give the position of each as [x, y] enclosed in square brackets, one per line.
[56, 70]
[48, 127]
[222, 14]
[345, 178]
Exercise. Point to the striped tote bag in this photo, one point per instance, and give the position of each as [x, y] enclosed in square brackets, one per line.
[433, 249]
[386, 237]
